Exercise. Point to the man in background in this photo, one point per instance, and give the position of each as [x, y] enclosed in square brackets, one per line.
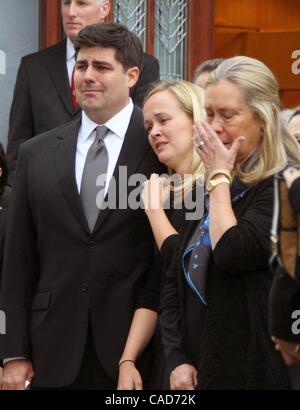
[44, 91]
[204, 70]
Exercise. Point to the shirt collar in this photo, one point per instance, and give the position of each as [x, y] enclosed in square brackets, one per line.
[70, 50]
[117, 124]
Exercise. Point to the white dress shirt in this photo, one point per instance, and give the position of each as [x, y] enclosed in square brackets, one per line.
[113, 141]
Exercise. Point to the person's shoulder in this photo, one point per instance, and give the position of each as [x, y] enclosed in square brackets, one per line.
[265, 184]
[149, 59]
[137, 117]
[49, 137]
[36, 56]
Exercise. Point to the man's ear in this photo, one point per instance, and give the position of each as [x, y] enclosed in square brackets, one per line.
[133, 75]
[105, 9]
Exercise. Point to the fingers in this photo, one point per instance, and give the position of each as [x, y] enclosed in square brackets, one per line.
[153, 193]
[130, 380]
[290, 351]
[289, 360]
[201, 137]
[183, 377]
[138, 384]
[200, 141]
[236, 146]
[195, 379]
[13, 383]
[16, 373]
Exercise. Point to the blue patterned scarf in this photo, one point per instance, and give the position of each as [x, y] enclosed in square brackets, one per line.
[196, 257]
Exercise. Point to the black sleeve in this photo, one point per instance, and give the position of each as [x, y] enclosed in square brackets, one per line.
[150, 295]
[294, 196]
[168, 249]
[170, 318]
[246, 247]
[20, 269]
[21, 126]
[149, 75]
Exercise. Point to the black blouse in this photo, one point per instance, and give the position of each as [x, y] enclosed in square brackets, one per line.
[227, 341]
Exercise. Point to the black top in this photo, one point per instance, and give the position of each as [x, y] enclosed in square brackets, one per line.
[227, 341]
[285, 292]
[294, 196]
[160, 376]
[170, 244]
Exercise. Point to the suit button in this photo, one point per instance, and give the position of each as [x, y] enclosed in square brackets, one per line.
[85, 287]
[92, 245]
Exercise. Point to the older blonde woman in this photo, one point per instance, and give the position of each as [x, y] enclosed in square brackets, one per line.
[214, 304]
[170, 110]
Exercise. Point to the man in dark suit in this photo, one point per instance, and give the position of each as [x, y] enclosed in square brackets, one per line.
[43, 97]
[80, 295]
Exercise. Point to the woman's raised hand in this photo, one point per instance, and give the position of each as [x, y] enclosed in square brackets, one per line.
[211, 149]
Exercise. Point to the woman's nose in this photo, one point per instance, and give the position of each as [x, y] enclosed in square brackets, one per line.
[216, 125]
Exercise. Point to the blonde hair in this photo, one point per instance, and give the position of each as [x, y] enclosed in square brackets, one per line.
[259, 90]
[191, 100]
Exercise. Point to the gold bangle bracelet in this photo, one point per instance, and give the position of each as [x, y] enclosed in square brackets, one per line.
[220, 171]
[212, 183]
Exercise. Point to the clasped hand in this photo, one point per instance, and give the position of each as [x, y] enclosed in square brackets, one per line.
[154, 193]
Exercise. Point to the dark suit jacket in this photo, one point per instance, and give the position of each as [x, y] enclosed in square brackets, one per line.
[42, 96]
[55, 270]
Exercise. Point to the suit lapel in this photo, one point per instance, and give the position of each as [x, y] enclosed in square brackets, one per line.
[65, 157]
[57, 67]
[133, 151]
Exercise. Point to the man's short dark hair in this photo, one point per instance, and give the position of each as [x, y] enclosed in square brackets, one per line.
[129, 50]
[207, 65]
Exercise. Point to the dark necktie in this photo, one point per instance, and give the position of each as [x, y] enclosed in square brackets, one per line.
[92, 187]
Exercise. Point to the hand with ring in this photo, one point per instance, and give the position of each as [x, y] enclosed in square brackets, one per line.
[212, 151]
